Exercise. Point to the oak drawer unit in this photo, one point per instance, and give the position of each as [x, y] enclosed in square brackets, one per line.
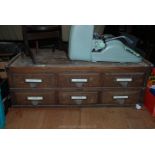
[55, 81]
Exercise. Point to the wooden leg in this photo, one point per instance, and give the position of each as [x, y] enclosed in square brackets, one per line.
[33, 57]
[53, 48]
[27, 48]
[37, 47]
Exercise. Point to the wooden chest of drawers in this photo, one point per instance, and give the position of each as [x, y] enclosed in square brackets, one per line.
[56, 81]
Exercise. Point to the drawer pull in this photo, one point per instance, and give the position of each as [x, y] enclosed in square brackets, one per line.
[120, 97]
[79, 80]
[35, 98]
[33, 80]
[78, 97]
[124, 79]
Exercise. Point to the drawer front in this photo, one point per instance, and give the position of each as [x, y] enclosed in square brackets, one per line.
[33, 81]
[79, 80]
[78, 98]
[123, 79]
[34, 99]
[120, 97]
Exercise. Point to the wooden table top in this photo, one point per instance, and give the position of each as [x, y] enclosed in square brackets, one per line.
[46, 57]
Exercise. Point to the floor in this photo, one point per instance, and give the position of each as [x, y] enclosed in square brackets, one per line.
[85, 118]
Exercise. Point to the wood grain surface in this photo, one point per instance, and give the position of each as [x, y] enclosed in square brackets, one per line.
[79, 118]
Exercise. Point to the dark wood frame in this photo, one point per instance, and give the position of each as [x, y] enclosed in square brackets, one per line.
[39, 32]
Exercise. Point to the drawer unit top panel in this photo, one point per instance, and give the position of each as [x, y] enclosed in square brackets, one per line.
[59, 62]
